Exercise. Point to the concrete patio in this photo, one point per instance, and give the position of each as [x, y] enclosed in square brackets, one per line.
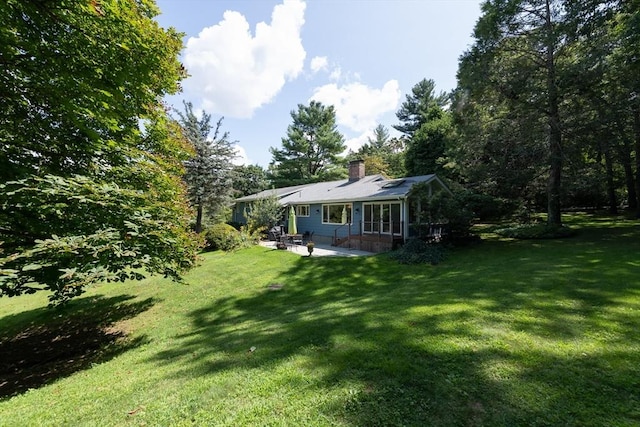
[319, 250]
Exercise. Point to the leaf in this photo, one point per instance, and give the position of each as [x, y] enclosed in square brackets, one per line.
[32, 267]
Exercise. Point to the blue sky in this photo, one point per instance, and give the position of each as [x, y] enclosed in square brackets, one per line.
[254, 61]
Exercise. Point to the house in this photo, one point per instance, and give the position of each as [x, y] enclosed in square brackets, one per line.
[362, 212]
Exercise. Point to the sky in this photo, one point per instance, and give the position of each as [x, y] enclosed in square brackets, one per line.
[254, 61]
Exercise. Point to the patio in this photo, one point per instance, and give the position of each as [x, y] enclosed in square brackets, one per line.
[319, 250]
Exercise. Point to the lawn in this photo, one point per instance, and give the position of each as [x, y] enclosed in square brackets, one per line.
[502, 333]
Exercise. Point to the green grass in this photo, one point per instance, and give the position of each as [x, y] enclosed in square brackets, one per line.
[502, 333]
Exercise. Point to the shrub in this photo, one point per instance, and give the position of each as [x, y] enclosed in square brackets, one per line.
[221, 237]
[225, 237]
[486, 207]
[235, 224]
[416, 251]
[536, 231]
[263, 213]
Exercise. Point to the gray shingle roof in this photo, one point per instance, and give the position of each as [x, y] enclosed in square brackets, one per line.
[372, 187]
[280, 192]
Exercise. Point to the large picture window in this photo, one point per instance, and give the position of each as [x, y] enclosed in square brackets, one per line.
[336, 214]
[302, 210]
[384, 218]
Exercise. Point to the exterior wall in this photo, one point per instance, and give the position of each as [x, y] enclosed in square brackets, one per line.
[324, 233]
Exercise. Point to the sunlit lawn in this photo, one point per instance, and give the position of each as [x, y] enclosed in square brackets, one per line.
[501, 333]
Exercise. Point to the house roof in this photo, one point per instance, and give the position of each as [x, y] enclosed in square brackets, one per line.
[280, 192]
[372, 187]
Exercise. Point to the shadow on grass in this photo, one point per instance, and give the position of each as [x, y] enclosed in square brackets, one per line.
[43, 345]
[470, 342]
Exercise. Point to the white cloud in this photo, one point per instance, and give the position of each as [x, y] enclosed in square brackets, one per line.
[241, 156]
[358, 106]
[354, 144]
[319, 63]
[235, 72]
[336, 73]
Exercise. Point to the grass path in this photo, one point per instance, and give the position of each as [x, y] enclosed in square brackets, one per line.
[502, 333]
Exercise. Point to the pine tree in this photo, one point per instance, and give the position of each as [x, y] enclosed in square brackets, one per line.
[310, 152]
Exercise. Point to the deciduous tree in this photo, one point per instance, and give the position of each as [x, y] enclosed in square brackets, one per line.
[86, 195]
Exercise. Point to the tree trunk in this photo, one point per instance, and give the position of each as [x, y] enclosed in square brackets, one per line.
[636, 132]
[625, 159]
[198, 227]
[554, 217]
[611, 189]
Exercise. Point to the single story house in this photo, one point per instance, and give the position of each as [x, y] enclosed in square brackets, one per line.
[362, 212]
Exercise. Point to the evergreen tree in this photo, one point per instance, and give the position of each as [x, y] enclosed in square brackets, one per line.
[382, 154]
[311, 150]
[208, 174]
[249, 179]
[522, 68]
[427, 128]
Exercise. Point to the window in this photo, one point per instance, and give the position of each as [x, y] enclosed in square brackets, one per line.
[382, 218]
[336, 214]
[302, 210]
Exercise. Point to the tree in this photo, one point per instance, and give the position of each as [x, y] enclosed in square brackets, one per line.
[524, 53]
[249, 179]
[382, 154]
[413, 111]
[623, 72]
[427, 128]
[86, 195]
[209, 172]
[310, 152]
[264, 213]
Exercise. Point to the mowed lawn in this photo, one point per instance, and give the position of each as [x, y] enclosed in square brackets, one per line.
[502, 333]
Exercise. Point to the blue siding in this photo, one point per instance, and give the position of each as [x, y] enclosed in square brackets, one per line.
[325, 232]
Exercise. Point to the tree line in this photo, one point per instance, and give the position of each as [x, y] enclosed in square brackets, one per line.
[546, 114]
[100, 181]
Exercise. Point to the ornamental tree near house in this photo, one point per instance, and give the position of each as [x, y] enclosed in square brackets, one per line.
[209, 172]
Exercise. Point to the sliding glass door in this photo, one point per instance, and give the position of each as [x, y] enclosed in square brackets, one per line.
[384, 218]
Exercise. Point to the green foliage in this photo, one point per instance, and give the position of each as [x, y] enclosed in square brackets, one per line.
[249, 179]
[427, 128]
[208, 174]
[426, 149]
[101, 232]
[537, 107]
[485, 207]
[310, 152]
[442, 208]
[77, 76]
[536, 231]
[264, 213]
[88, 194]
[509, 333]
[226, 238]
[382, 154]
[416, 251]
[415, 110]
[221, 237]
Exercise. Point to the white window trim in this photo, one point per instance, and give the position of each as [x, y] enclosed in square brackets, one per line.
[350, 205]
[380, 222]
[302, 206]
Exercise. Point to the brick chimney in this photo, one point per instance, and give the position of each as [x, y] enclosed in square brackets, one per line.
[356, 170]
